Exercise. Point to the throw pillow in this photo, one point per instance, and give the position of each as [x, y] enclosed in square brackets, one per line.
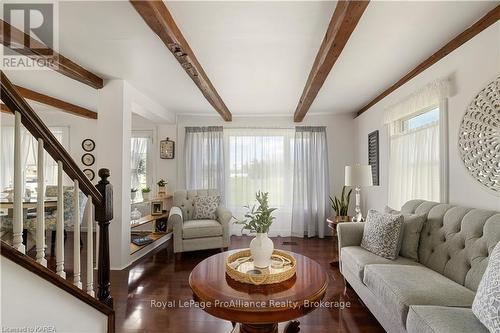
[486, 305]
[382, 234]
[205, 207]
[412, 227]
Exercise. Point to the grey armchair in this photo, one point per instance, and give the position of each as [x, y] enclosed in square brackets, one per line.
[193, 235]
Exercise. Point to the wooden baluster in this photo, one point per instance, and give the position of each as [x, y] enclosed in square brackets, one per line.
[76, 235]
[90, 250]
[97, 248]
[60, 222]
[40, 207]
[17, 224]
[103, 215]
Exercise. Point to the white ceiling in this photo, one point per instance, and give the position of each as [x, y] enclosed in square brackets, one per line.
[257, 54]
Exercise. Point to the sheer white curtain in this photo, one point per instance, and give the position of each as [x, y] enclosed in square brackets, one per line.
[138, 149]
[310, 182]
[260, 159]
[204, 156]
[29, 152]
[418, 153]
[414, 165]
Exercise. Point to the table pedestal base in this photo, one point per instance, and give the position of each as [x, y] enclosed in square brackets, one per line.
[290, 327]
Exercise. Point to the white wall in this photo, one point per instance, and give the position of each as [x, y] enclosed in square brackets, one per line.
[79, 129]
[25, 297]
[339, 131]
[469, 68]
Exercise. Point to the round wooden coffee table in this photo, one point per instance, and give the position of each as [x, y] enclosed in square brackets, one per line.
[258, 308]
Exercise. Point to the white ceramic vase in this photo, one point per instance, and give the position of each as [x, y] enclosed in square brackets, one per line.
[145, 196]
[261, 248]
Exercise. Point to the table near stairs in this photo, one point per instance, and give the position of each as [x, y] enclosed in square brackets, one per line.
[258, 308]
[50, 202]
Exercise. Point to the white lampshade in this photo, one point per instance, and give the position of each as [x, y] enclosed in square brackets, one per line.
[358, 175]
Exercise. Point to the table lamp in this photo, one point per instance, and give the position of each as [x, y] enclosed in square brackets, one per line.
[357, 176]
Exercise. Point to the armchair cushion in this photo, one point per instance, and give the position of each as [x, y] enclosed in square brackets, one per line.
[201, 228]
[205, 207]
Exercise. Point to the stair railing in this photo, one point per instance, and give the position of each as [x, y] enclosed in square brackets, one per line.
[99, 199]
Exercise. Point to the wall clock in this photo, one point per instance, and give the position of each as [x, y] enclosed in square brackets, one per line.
[88, 144]
[89, 173]
[167, 149]
[479, 137]
[88, 159]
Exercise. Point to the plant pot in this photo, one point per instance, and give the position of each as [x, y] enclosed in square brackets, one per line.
[162, 190]
[145, 196]
[342, 219]
[261, 248]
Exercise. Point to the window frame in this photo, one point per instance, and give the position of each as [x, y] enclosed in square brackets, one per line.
[150, 155]
[397, 128]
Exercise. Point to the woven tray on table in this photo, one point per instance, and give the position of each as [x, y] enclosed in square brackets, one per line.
[239, 267]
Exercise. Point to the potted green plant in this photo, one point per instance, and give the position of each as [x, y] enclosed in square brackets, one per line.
[133, 193]
[162, 187]
[145, 193]
[341, 206]
[258, 220]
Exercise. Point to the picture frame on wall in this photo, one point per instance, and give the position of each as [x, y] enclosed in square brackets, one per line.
[167, 149]
[156, 207]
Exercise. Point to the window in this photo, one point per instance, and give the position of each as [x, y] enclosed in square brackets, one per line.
[260, 159]
[415, 158]
[29, 152]
[422, 119]
[140, 161]
[31, 174]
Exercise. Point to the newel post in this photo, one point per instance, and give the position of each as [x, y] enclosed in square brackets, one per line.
[103, 215]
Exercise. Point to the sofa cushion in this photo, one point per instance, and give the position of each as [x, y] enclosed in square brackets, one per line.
[442, 319]
[382, 234]
[355, 258]
[205, 207]
[486, 304]
[412, 227]
[399, 286]
[201, 228]
[456, 242]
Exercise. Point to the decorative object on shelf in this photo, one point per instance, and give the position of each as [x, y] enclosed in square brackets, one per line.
[133, 193]
[157, 207]
[373, 156]
[135, 214]
[479, 137]
[258, 221]
[145, 193]
[88, 145]
[88, 159]
[341, 206]
[358, 176]
[241, 267]
[167, 149]
[141, 240]
[162, 187]
[89, 173]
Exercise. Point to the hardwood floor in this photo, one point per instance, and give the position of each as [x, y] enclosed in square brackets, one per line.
[160, 278]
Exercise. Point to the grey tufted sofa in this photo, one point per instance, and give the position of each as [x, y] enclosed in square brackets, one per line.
[435, 293]
[192, 235]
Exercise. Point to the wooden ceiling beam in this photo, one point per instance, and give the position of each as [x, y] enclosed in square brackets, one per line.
[490, 18]
[54, 102]
[344, 20]
[159, 19]
[18, 41]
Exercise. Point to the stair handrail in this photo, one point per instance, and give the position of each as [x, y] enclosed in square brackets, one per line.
[101, 194]
[15, 102]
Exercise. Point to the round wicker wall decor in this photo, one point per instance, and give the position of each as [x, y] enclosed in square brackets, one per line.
[479, 137]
